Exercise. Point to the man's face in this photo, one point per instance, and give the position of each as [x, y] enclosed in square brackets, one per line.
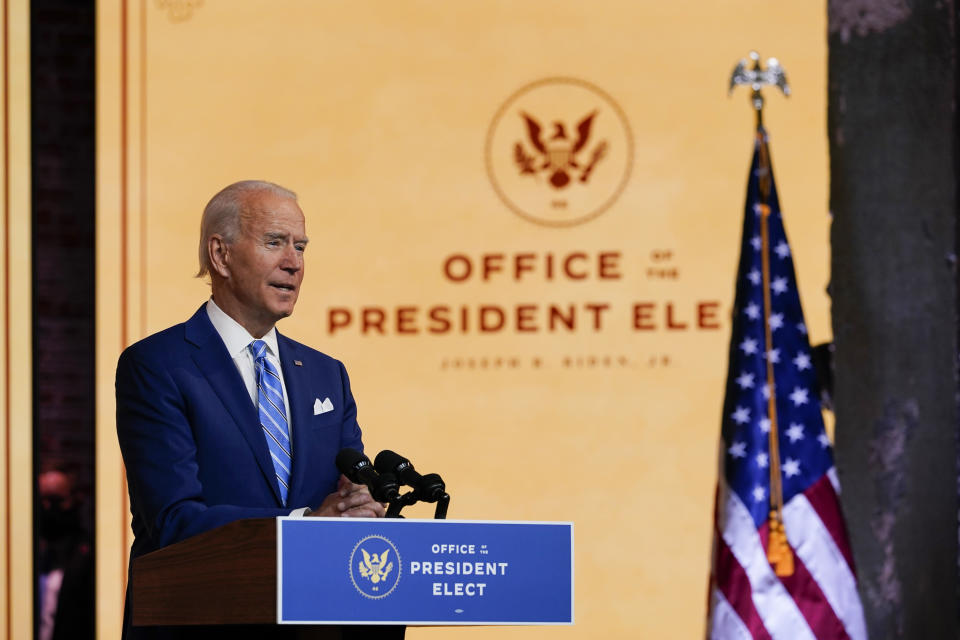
[265, 262]
[54, 489]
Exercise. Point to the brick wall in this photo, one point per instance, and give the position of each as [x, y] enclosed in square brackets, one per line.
[63, 117]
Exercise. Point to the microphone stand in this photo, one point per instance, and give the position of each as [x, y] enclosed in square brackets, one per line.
[440, 513]
[398, 503]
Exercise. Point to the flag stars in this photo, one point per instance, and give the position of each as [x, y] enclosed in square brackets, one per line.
[763, 460]
[799, 396]
[791, 468]
[738, 450]
[764, 425]
[757, 208]
[754, 277]
[741, 415]
[795, 432]
[802, 328]
[773, 355]
[779, 285]
[752, 311]
[756, 243]
[745, 380]
[783, 250]
[759, 493]
[776, 321]
[765, 391]
[802, 361]
[823, 440]
[748, 346]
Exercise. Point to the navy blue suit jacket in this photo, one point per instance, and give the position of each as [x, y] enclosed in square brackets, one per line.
[194, 451]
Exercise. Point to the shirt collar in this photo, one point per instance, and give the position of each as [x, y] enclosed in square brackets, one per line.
[234, 336]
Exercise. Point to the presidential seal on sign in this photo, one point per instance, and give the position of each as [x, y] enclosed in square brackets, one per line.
[559, 152]
[375, 567]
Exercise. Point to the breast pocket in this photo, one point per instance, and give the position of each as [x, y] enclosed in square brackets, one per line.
[328, 420]
[323, 434]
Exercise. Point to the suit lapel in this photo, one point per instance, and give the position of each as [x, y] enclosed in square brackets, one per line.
[295, 379]
[216, 365]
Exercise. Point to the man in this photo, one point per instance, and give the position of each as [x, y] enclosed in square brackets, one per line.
[65, 602]
[221, 417]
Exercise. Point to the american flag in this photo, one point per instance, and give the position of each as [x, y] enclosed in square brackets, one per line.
[817, 596]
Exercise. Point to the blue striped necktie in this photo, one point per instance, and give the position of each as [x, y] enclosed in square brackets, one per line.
[273, 415]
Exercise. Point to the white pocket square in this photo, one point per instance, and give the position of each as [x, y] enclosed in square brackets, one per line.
[322, 407]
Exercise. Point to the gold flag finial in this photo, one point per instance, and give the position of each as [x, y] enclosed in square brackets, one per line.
[754, 75]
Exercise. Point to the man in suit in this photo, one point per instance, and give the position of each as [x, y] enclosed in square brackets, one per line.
[221, 417]
[65, 568]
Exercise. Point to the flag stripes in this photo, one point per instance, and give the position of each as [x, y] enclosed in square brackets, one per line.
[729, 624]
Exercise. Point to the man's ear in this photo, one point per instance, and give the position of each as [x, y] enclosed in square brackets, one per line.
[218, 251]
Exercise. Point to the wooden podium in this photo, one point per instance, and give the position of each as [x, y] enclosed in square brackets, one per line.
[224, 576]
[227, 576]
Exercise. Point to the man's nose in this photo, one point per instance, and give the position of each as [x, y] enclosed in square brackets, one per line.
[292, 260]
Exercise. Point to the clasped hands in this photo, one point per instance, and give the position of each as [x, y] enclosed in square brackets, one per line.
[349, 501]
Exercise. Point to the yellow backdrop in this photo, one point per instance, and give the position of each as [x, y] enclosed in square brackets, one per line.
[524, 223]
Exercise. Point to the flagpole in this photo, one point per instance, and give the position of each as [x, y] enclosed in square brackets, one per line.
[779, 553]
[763, 584]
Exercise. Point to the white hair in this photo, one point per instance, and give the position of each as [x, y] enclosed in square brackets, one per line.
[223, 214]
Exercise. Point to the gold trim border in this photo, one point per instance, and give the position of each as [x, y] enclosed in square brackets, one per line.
[17, 321]
[121, 126]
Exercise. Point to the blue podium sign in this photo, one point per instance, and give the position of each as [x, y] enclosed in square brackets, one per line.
[423, 572]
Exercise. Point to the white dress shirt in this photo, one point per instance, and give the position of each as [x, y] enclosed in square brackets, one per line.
[50, 584]
[237, 339]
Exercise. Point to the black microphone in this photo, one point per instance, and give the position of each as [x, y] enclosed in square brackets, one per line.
[388, 489]
[428, 488]
[359, 470]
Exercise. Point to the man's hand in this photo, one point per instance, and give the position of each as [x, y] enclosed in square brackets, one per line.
[349, 501]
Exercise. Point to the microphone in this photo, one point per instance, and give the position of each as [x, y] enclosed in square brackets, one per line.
[428, 488]
[388, 489]
[359, 470]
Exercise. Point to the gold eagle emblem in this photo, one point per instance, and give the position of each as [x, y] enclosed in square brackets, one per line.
[375, 567]
[558, 154]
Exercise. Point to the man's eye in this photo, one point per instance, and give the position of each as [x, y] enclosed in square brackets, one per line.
[300, 247]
